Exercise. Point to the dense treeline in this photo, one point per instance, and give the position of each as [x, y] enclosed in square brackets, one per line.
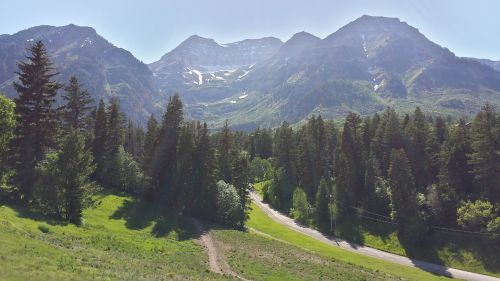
[415, 172]
[58, 149]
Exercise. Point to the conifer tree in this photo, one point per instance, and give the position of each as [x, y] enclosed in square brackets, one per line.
[185, 157]
[75, 167]
[100, 137]
[165, 162]
[284, 150]
[418, 131]
[37, 119]
[130, 139]
[150, 144]
[388, 137]
[455, 171]
[77, 106]
[115, 129]
[485, 156]
[322, 204]
[405, 210]
[204, 182]
[240, 182]
[350, 178]
[224, 149]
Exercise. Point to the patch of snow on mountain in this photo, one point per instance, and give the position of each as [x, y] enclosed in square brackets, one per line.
[232, 101]
[200, 76]
[245, 72]
[86, 42]
[376, 87]
[243, 96]
[364, 45]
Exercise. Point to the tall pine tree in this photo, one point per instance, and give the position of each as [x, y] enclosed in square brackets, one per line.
[485, 156]
[37, 118]
[77, 106]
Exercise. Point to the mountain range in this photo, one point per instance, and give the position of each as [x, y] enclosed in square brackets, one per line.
[365, 66]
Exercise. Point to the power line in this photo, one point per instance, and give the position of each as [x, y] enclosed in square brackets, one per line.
[438, 228]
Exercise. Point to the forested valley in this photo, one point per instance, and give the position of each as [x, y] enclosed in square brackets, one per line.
[418, 173]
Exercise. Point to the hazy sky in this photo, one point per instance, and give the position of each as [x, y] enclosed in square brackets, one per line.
[150, 28]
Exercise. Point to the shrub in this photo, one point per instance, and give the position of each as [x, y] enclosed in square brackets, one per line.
[229, 209]
[476, 215]
[43, 228]
[260, 169]
[301, 210]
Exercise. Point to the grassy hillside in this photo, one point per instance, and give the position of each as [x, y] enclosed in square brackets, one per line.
[262, 223]
[453, 250]
[111, 245]
[259, 258]
[123, 239]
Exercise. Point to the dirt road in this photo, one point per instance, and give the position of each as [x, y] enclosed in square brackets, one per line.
[367, 251]
[216, 259]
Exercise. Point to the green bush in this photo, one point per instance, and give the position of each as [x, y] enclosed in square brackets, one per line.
[44, 228]
[301, 210]
[229, 209]
[475, 216]
[260, 169]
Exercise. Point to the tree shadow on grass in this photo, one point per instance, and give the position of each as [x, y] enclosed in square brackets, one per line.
[459, 246]
[351, 230]
[140, 214]
[424, 255]
[27, 213]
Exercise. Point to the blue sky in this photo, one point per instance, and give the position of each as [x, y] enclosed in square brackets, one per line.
[150, 28]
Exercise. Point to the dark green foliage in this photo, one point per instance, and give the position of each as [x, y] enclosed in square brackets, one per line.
[204, 182]
[279, 192]
[150, 143]
[134, 141]
[312, 155]
[37, 119]
[261, 144]
[185, 158]
[100, 137]
[241, 181]
[165, 161]
[75, 167]
[405, 211]
[64, 179]
[260, 169]
[485, 156]
[224, 147]
[323, 199]
[418, 132]
[77, 106]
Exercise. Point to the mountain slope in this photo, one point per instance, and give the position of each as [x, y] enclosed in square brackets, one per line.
[105, 70]
[491, 63]
[370, 63]
[202, 62]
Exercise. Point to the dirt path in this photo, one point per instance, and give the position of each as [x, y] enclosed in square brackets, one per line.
[367, 251]
[216, 259]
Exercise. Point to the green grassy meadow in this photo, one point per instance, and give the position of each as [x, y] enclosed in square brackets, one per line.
[110, 246]
[124, 239]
